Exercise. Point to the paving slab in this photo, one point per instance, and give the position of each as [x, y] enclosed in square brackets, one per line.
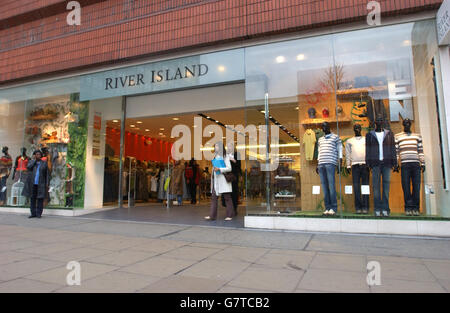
[215, 269]
[204, 235]
[112, 282]
[11, 257]
[407, 286]
[184, 284]
[233, 289]
[22, 285]
[160, 245]
[191, 253]
[158, 266]
[126, 228]
[240, 254]
[58, 275]
[334, 281]
[439, 268]
[406, 271]
[122, 258]
[18, 244]
[269, 239]
[343, 262]
[382, 246]
[277, 259]
[26, 267]
[120, 243]
[79, 254]
[52, 248]
[277, 280]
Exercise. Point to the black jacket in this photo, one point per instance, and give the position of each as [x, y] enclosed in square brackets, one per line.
[373, 150]
[43, 179]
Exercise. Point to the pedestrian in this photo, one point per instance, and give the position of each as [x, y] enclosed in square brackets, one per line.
[237, 171]
[192, 176]
[176, 182]
[219, 184]
[36, 186]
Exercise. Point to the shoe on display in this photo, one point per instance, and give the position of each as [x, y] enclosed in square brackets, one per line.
[377, 213]
[358, 211]
[365, 211]
[416, 213]
[385, 214]
[326, 212]
[408, 213]
[228, 219]
[331, 213]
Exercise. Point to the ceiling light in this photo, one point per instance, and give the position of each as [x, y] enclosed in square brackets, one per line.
[407, 42]
[139, 122]
[300, 57]
[132, 126]
[280, 59]
[147, 130]
[115, 121]
[175, 118]
[162, 128]
[221, 68]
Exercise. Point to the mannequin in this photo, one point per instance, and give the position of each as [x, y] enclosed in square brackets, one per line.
[355, 152]
[410, 155]
[330, 150]
[20, 166]
[381, 159]
[5, 170]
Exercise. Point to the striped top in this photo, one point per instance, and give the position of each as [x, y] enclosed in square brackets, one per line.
[330, 149]
[409, 148]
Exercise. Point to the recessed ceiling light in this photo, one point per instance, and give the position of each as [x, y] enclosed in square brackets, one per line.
[139, 122]
[300, 57]
[132, 126]
[221, 68]
[175, 118]
[280, 59]
[161, 134]
[115, 121]
[162, 128]
[147, 130]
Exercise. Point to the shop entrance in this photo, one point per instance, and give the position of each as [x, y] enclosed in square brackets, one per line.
[148, 161]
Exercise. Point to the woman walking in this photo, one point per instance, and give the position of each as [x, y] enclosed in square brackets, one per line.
[219, 184]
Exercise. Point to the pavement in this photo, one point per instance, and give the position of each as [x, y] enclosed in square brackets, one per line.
[128, 256]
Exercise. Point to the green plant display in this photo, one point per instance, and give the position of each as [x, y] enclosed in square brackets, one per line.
[76, 151]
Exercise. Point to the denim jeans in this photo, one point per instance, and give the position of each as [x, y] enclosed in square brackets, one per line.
[411, 175]
[326, 173]
[360, 175]
[381, 175]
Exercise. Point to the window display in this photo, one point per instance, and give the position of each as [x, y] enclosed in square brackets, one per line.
[359, 98]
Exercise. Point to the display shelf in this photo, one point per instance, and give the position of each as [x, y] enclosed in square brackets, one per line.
[285, 177]
[317, 121]
[286, 196]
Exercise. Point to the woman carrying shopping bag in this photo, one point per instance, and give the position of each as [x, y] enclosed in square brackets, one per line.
[219, 184]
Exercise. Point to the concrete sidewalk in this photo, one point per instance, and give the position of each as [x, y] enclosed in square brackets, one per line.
[123, 256]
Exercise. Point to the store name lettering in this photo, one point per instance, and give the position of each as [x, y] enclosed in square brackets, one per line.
[185, 72]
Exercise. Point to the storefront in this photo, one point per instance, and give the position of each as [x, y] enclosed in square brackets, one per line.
[386, 80]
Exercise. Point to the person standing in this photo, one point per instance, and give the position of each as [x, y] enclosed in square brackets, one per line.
[5, 170]
[236, 170]
[192, 176]
[219, 184]
[176, 182]
[37, 184]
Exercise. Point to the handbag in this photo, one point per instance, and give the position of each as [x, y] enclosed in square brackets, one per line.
[229, 177]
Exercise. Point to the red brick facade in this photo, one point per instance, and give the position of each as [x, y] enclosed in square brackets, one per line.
[35, 39]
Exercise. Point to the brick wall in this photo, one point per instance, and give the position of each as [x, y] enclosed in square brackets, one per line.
[42, 43]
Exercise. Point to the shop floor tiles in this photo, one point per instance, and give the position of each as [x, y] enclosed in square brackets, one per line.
[183, 215]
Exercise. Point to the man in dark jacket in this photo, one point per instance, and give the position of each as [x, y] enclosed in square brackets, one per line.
[37, 184]
[381, 158]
